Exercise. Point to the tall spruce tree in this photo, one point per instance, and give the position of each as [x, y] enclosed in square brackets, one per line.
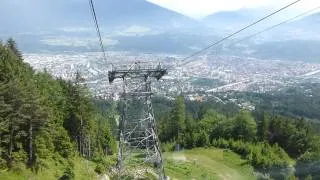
[177, 120]
[245, 126]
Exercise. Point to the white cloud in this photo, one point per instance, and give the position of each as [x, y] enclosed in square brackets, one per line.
[76, 41]
[200, 8]
[137, 29]
[134, 30]
[75, 29]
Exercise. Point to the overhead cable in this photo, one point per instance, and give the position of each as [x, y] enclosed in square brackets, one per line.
[237, 32]
[276, 25]
[97, 29]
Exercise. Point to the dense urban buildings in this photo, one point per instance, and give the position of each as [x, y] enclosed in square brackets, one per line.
[206, 74]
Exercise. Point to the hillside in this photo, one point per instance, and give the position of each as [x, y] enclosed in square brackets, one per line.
[48, 125]
[52, 126]
[211, 164]
[75, 14]
[83, 170]
[227, 21]
[208, 164]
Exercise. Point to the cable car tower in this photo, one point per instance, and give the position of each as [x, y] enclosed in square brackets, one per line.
[138, 133]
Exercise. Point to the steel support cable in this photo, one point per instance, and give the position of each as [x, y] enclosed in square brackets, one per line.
[274, 26]
[96, 24]
[235, 33]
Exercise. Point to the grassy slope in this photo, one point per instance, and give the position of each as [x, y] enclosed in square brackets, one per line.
[207, 164]
[83, 170]
[200, 163]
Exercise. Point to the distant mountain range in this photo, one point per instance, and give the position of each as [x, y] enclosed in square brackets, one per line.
[34, 15]
[229, 20]
[310, 23]
[138, 25]
[47, 15]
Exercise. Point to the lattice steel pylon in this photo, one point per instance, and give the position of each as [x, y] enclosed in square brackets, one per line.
[138, 133]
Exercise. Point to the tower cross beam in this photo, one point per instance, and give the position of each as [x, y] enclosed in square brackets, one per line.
[136, 71]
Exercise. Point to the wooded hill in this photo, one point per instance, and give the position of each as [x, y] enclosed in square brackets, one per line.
[282, 147]
[44, 119]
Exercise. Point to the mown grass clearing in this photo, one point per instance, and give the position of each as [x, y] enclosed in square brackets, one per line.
[195, 164]
[209, 164]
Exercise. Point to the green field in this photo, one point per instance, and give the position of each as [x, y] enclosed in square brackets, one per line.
[207, 164]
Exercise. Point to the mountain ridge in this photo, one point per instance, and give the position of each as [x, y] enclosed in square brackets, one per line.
[58, 14]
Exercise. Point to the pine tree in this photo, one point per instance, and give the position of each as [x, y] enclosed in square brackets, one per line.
[21, 112]
[177, 120]
[11, 44]
[13, 116]
[263, 129]
[35, 119]
[245, 126]
[41, 118]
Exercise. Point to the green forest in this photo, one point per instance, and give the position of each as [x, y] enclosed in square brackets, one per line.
[49, 126]
[47, 122]
[281, 146]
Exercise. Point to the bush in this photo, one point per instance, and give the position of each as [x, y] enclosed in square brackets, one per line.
[189, 141]
[202, 139]
[18, 167]
[99, 169]
[309, 177]
[167, 147]
[67, 175]
[259, 155]
[3, 164]
[63, 145]
[308, 165]
[104, 163]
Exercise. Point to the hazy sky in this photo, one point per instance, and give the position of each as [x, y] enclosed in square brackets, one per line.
[200, 8]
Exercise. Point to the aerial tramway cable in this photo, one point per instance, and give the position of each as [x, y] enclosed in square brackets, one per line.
[276, 25]
[235, 33]
[98, 30]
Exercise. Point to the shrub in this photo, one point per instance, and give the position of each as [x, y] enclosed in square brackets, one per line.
[259, 155]
[308, 164]
[99, 169]
[67, 175]
[18, 167]
[202, 139]
[3, 164]
[167, 147]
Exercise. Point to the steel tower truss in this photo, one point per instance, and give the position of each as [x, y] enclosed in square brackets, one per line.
[138, 133]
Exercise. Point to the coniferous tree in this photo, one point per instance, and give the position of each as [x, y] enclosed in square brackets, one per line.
[245, 127]
[42, 118]
[263, 129]
[177, 120]
[11, 44]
